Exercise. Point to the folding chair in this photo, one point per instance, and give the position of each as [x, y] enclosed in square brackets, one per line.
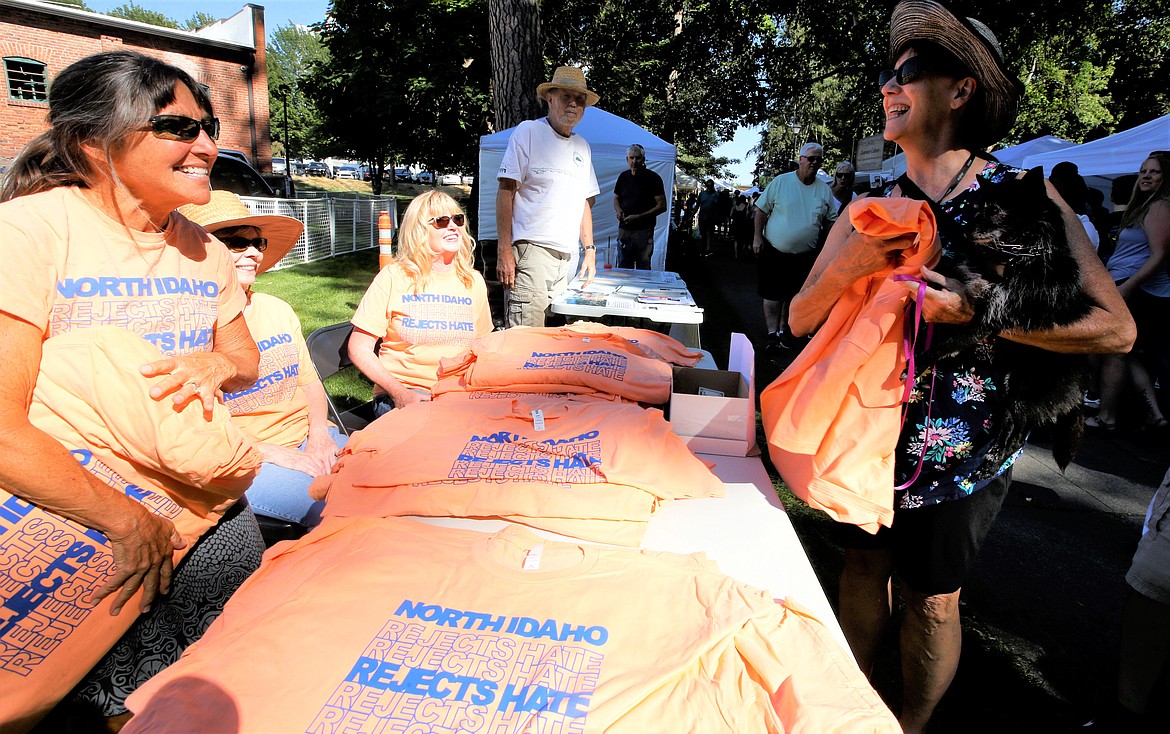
[328, 350]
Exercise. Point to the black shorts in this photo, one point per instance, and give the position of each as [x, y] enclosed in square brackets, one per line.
[782, 274]
[934, 547]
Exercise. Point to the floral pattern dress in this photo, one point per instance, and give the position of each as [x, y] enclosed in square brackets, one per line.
[953, 416]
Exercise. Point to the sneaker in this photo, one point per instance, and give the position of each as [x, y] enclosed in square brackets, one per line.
[1091, 400]
[774, 343]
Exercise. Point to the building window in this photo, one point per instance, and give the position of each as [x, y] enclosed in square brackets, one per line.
[26, 79]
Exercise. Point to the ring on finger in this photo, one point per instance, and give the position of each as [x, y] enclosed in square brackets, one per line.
[194, 385]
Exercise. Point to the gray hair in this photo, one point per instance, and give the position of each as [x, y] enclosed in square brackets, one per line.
[636, 147]
[811, 147]
[846, 167]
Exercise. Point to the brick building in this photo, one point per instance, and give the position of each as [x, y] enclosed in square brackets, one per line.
[38, 39]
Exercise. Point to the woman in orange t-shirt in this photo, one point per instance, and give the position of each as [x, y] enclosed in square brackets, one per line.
[428, 304]
[89, 238]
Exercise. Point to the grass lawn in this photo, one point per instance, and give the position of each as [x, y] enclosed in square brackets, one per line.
[323, 293]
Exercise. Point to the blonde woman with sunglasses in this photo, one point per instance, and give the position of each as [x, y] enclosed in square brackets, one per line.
[427, 304]
[90, 240]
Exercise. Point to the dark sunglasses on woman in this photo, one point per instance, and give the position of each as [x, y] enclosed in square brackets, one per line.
[180, 127]
[910, 71]
[442, 222]
[239, 244]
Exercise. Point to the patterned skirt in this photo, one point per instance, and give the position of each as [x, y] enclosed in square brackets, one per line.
[206, 578]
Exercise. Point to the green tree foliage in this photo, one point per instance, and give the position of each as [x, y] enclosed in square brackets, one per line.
[687, 71]
[134, 11]
[408, 78]
[294, 53]
[199, 20]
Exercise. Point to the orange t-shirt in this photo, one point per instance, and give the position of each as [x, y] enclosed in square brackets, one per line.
[488, 458]
[503, 632]
[561, 361]
[419, 329]
[648, 343]
[832, 418]
[179, 465]
[275, 409]
[68, 266]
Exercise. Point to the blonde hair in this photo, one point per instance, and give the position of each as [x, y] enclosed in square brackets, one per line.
[414, 250]
[1136, 212]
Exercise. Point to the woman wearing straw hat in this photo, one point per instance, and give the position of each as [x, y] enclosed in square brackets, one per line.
[950, 94]
[285, 410]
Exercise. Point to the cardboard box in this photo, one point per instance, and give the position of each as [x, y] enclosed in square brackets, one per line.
[717, 425]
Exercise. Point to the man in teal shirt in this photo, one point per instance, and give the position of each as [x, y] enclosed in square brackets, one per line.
[788, 221]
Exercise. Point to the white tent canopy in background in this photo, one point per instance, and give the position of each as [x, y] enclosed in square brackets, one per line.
[1015, 155]
[609, 136]
[1116, 155]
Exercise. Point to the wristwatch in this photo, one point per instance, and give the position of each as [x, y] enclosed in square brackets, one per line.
[589, 247]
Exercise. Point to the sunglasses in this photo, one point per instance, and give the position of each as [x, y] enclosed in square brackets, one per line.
[239, 244]
[442, 222]
[910, 71]
[180, 127]
[813, 158]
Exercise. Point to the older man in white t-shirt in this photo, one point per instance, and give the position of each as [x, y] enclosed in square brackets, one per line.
[545, 200]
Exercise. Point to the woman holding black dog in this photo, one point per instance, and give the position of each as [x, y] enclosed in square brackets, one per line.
[949, 96]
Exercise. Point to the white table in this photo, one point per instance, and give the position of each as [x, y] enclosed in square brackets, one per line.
[747, 533]
[624, 292]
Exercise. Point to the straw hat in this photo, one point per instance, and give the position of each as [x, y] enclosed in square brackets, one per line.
[572, 78]
[972, 43]
[226, 210]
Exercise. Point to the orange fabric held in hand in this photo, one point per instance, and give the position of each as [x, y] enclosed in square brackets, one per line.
[833, 417]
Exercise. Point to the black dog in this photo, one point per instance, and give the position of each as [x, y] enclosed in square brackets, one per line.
[1020, 275]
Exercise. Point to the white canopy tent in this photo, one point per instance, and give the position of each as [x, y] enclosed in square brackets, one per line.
[1015, 155]
[609, 136]
[1110, 157]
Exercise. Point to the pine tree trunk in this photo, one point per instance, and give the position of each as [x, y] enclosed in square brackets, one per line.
[514, 27]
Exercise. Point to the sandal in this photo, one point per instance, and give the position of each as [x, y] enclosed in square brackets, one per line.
[1104, 425]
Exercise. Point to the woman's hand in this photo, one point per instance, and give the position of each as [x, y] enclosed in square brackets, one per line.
[865, 255]
[405, 397]
[142, 550]
[945, 304]
[197, 375]
[314, 461]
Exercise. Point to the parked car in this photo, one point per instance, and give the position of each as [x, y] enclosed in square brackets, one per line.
[237, 154]
[299, 168]
[229, 173]
[365, 173]
[424, 177]
[279, 165]
[348, 172]
[450, 179]
[469, 180]
[402, 175]
[317, 168]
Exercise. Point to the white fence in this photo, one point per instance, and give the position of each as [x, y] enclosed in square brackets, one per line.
[334, 225]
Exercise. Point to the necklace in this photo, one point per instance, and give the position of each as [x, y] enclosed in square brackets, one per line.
[958, 177]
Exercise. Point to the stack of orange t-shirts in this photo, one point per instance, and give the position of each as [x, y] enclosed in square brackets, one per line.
[352, 628]
[568, 359]
[833, 417]
[590, 470]
[177, 463]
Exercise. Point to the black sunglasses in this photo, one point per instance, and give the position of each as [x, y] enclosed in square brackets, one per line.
[910, 71]
[239, 244]
[180, 127]
[813, 158]
[442, 222]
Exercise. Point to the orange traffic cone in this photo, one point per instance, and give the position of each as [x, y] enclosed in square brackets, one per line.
[385, 240]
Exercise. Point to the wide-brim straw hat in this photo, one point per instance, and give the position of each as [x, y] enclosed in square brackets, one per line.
[569, 77]
[226, 210]
[972, 43]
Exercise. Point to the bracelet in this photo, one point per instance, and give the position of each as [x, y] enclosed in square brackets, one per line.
[588, 247]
